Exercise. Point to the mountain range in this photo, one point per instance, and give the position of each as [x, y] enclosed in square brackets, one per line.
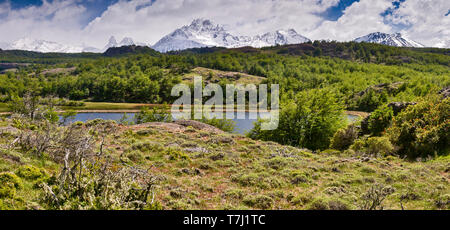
[126, 41]
[43, 46]
[395, 39]
[204, 33]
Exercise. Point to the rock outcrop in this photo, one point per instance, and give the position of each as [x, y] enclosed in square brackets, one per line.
[384, 87]
[397, 107]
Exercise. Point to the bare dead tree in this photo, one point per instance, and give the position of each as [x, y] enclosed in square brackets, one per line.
[28, 106]
[91, 177]
[39, 139]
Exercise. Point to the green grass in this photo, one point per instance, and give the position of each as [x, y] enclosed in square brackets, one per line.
[207, 171]
[4, 107]
[93, 106]
[107, 106]
[102, 106]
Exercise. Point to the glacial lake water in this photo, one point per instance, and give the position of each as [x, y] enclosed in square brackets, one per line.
[242, 125]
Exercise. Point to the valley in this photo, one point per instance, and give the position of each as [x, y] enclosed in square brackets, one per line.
[203, 169]
[362, 126]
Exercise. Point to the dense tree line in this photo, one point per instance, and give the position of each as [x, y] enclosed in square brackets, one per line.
[149, 78]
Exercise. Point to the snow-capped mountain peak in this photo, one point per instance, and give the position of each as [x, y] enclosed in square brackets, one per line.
[112, 42]
[43, 46]
[205, 33]
[204, 25]
[395, 39]
[281, 37]
[200, 33]
[127, 42]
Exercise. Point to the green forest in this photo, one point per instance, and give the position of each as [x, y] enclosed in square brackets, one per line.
[394, 156]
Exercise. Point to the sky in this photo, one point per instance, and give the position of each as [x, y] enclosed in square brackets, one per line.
[92, 22]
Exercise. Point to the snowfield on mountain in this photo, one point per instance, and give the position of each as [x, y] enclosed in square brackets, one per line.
[204, 33]
[389, 39]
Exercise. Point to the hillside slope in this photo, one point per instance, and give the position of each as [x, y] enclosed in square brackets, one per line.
[200, 167]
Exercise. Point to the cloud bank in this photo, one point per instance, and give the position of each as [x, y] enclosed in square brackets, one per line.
[426, 21]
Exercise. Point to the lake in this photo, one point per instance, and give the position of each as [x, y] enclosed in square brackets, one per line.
[242, 125]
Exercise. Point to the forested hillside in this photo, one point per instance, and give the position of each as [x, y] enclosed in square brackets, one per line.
[394, 157]
[347, 68]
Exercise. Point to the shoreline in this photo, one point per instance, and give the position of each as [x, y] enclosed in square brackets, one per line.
[352, 113]
[128, 111]
[358, 113]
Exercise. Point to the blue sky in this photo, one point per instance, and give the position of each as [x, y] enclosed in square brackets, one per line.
[92, 22]
[24, 3]
[95, 5]
[335, 12]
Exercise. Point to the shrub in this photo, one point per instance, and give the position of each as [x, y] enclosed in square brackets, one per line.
[249, 179]
[338, 205]
[302, 199]
[442, 202]
[27, 106]
[146, 132]
[309, 121]
[135, 156]
[12, 179]
[328, 204]
[156, 205]
[9, 183]
[276, 163]
[99, 121]
[258, 201]
[234, 193]
[152, 115]
[374, 197]
[148, 146]
[374, 146]
[96, 184]
[222, 124]
[344, 138]
[68, 116]
[380, 119]
[318, 204]
[176, 155]
[370, 100]
[31, 172]
[422, 130]
[298, 177]
[379, 145]
[89, 178]
[260, 180]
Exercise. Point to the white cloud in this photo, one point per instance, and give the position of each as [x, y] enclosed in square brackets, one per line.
[425, 20]
[57, 20]
[150, 23]
[144, 21]
[359, 19]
